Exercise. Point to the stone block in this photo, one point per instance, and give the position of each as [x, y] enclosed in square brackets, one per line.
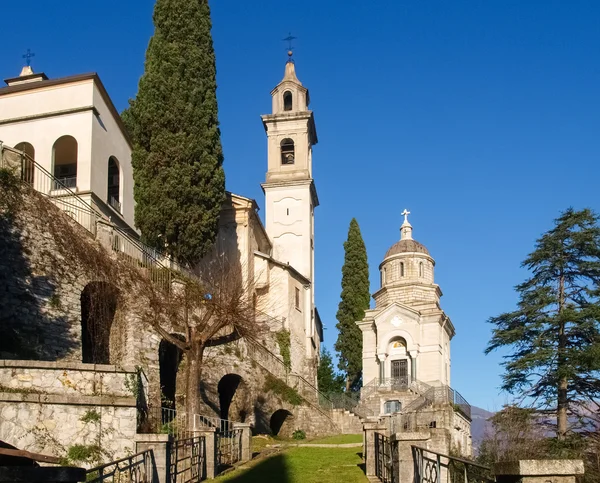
[539, 471]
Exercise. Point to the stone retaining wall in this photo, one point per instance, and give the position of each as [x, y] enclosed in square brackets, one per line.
[59, 408]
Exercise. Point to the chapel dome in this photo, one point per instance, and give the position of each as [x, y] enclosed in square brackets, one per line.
[406, 245]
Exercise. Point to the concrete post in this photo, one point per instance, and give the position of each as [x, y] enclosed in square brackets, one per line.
[369, 430]
[159, 444]
[246, 440]
[211, 449]
[405, 442]
[539, 471]
[104, 234]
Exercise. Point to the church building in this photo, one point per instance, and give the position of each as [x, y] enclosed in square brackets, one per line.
[406, 348]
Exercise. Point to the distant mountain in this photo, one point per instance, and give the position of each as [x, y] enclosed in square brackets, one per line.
[479, 426]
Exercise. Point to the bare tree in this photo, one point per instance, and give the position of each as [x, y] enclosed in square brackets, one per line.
[218, 309]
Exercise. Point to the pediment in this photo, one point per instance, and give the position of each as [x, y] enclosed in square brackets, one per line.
[396, 315]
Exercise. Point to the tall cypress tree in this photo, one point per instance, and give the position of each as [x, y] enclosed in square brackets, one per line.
[355, 299]
[177, 156]
[554, 333]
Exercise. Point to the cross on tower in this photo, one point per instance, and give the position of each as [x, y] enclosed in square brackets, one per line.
[405, 213]
[28, 57]
[289, 39]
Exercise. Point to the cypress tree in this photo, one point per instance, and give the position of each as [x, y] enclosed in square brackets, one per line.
[329, 381]
[355, 299]
[177, 156]
[554, 333]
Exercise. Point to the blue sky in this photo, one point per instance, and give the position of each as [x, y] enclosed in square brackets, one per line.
[481, 117]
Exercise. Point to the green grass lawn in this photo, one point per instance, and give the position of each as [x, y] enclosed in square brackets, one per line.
[337, 439]
[303, 465]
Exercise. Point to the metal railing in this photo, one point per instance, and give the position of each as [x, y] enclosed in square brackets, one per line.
[386, 458]
[433, 467]
[115, 203]
[134, 469]
[229, 448]
[187, 460]
[177, 423]
[428, 394]
[64, 182]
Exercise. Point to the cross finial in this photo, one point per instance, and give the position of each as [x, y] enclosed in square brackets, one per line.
[28, 57]
[289, 40]
[405, 213]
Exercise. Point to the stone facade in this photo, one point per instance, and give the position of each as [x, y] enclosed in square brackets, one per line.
[52, 407]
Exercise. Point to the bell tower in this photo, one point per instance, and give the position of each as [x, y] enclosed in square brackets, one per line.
[289, 189]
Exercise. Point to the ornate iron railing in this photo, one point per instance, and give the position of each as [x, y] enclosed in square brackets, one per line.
[177, 423]
[187, 460]
[229, 448]
[133, 469]
[386, 458]
[433, 467]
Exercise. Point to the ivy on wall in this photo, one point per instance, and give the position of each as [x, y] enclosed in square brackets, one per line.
[284, 343]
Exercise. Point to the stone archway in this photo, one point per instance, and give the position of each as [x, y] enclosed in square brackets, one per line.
[234, 398]
[169, 358]
[281, 422]
[99, 302]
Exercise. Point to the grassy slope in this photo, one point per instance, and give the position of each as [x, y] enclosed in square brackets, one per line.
[338, 439]
[303, 465]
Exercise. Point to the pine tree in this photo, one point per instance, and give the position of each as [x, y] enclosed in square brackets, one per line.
[329, 381]
[177, 156]
[555, 332]
[355, 299]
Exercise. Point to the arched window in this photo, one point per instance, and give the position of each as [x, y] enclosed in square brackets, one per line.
[287, 151]
[383, 275]
[28, 167]
[421, 269]
[64, 162]
[287, 101]
[114, 184]
[402, 269]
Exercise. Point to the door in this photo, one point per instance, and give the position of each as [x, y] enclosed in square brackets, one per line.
[400, 371]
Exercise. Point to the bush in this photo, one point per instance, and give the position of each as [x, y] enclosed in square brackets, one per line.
[299, 434]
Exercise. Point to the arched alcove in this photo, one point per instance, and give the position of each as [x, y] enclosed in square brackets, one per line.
[114, 184]
[278, 419]
[64, 162]
[287, 151]
[28, 167]
[169, 358]
[99, 302]
[287, 101]
[233, 398]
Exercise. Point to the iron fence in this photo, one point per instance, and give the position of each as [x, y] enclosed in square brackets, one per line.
[433, 467]
[178, 424]
[229, 448]
[133, 469]
[187, 460]
[386, 458]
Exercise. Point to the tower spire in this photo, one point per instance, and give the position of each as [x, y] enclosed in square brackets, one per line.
[406, 228]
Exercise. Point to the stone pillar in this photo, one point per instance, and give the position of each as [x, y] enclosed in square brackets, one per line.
[246, 440]
[104, 234]
[369, 430]
[381, 358]
[210, 446]
[413, 369]
[405, 442]
[159, 444]
[539, 471]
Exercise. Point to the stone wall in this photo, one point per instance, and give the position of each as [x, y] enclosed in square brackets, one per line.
[67, 409]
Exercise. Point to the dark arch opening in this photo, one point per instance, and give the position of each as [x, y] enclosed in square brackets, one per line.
[64, 160]
[98, 307]
[287, 101]
[114, 184]
[232, 390]
[169, 358]
[287, 151]
[28, 167]
[278, 419]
